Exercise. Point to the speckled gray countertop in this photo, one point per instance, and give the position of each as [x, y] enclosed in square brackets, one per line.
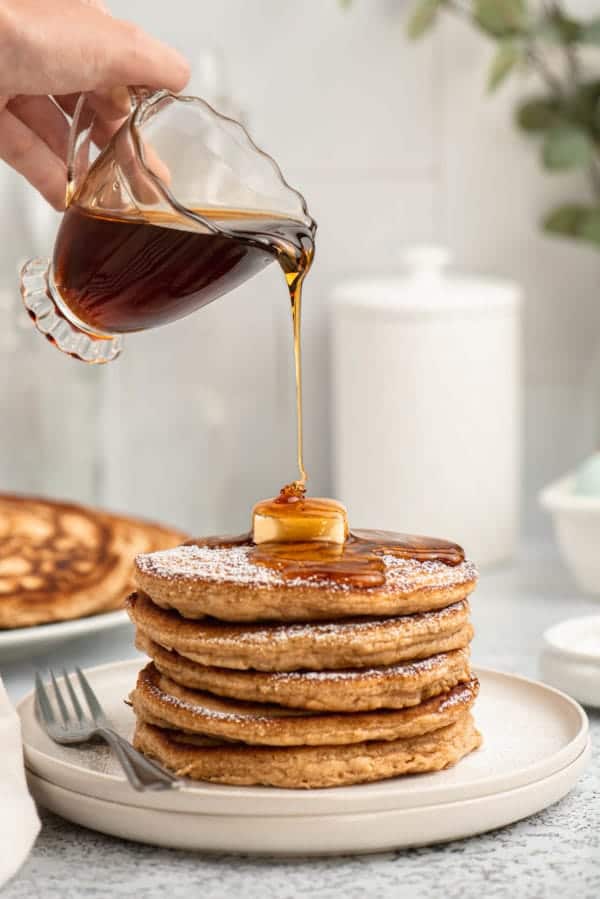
[555, 853]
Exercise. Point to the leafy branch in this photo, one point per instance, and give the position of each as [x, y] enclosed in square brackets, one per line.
[566, 117]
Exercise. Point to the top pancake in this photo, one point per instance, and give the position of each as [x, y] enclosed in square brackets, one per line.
[60, 560]
[223, 583]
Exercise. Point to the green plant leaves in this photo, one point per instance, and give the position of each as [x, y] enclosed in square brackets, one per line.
[579, 109]
[568, 117]
[507, 56]
[538, 114]
[558, 28]
[565, 220]
[423, 17]
[567, 147]
[589, 228]
[500, 18]
[586, 107]
[589, 32]
[575, 220]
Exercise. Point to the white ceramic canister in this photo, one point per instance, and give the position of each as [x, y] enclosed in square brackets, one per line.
[427, 404]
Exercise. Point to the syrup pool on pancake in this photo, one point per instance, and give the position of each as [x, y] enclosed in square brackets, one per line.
[302, 537]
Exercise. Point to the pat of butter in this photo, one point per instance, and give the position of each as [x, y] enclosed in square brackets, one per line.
[301, 520]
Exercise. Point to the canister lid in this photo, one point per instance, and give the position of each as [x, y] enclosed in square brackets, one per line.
[424, 287]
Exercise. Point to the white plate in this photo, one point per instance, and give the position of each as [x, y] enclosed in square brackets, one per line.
[24, 642]
[530, 730]
[316, 834]
[535, 747]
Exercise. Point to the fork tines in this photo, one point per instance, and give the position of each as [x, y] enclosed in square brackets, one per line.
[46, 711]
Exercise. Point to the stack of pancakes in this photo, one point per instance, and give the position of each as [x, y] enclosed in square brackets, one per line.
[306, 683]
[61, 560]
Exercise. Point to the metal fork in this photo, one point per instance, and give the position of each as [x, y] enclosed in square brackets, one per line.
[72, 727]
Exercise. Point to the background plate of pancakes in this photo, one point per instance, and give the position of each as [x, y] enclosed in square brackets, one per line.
[28, 642]
[65, 570]
[536, 746]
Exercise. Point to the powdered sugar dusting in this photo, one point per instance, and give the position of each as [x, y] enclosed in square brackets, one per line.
[232, 565]
[399, 670]
[200, 706]
[460, 695]
[178, 702]
[417, 624]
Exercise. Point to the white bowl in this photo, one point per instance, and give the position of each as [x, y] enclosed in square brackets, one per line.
[577, 525]
[571, 658]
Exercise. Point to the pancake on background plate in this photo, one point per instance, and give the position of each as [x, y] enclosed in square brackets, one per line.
[60, 561]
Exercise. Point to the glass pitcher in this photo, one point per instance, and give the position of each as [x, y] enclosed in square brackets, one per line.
[175, 208]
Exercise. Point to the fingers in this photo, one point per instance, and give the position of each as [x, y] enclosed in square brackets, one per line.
[43, 116]
[96, 51]
[134, 57]
[111, 104]
[28, 154]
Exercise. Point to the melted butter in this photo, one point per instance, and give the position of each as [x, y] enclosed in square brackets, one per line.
[292, 518]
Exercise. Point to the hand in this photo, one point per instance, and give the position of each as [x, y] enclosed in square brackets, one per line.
[50, 52]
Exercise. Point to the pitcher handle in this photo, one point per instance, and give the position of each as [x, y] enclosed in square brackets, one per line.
[78, 161]
[80, 136]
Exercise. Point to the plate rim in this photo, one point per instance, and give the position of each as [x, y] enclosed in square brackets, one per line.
[13, 638]
[303, 836]
[580, 757]
[379, 793]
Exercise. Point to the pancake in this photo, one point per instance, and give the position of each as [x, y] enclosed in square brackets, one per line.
[222, 582]
[351, 690]
[307, 766]
[60, 560]
[352, 643]
[160, 701]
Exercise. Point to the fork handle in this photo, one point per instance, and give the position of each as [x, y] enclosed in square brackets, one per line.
[142, 773]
